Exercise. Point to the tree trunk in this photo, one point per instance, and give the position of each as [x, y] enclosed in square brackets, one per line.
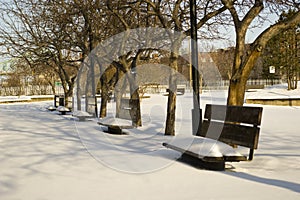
[289, 83]
[241, 72]
[120, 88]
[171, 107]
[68, 93]
[104, 100]
[134, 102]
[104, 96]
[66, 99]
[236, 92]
[135, 112]
[118, 96]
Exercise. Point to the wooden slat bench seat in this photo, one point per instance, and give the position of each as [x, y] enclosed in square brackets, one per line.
[51, 108]
[63, 110]
[124, 120]
[223, 128]
[205, 152]
[82, 115]
[115, 125]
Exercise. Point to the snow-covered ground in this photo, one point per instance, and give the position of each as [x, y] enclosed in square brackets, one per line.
[45, 155]
[12, 99]
[273, 92]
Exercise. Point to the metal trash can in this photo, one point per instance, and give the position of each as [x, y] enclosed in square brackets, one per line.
[60, 99]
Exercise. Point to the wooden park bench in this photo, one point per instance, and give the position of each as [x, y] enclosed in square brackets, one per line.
[63, 110]
[51, 108]
[82, 115]
[124, 120]
[223, 129]
[115, 125]
[180, 91]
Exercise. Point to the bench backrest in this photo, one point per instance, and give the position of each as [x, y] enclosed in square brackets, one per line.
[234, 125]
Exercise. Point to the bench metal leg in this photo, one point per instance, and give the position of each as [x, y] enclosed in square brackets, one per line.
[251, 153]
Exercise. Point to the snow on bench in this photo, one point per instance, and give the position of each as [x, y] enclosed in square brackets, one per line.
[82, 115]
[125, 119]
[226, 127]
[209, 153]
[115, 125]
[63, 110]
[51, 108]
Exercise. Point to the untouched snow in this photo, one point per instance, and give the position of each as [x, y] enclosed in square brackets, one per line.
[45, 155]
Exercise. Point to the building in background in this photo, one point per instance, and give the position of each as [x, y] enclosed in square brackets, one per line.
[5, 71]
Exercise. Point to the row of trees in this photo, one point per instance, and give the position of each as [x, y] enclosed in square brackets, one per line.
[57, 36]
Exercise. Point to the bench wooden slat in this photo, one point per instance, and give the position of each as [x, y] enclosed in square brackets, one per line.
[235, 158]
[250, 115]
[231, 133]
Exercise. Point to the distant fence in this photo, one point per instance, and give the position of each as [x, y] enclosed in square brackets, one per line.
[265, 82]
[212, 85]
[224, 84]
[29, 90]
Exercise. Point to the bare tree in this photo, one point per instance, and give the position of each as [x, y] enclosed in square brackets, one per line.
[223, 59]
[53, 35]
[37, 32]
[174, 16]
[243, 14]
[128, 15]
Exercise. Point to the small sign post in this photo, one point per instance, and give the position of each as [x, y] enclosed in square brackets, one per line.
[272, 69]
